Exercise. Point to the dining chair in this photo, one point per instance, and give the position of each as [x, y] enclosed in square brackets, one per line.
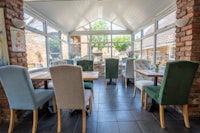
[124, 62]
[70, 92]
[174, 89]
[87, 65]
[70, 61]
[128, 72]
[111, 70]
[140, 81]
[21, 94]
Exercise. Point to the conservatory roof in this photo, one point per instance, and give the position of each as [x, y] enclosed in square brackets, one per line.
[70, 15]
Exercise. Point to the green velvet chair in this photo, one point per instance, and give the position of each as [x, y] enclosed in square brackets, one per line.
[111, 70]
[87, 65]
[174, 89]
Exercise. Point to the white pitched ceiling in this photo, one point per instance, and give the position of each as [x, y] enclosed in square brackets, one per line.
[70, 14]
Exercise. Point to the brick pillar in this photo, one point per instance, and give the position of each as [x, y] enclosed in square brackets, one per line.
[12, 9]
[188, 46]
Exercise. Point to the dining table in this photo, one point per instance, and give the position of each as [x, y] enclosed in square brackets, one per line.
[44, 75]
[155, 75]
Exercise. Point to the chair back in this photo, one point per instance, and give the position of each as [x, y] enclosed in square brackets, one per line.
[111, 68]
[141, 64]
[87, 65]
[58, 62]
[177, 81]
[129, 68]
[70, 61]
[68, 86]
[18, 87]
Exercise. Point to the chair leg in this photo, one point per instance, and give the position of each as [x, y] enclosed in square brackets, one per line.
[162, 119]
[59, 121]
[90, 104]
[105, 82]
[54, 104]
[146, 101]
[125, 82]
[83, 121]
[185, 115]
[12, 119]
[134, 89]
[142, 98]
[116, 83]
[35, 120]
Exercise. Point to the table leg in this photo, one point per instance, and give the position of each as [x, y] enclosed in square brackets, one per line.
[46, 84]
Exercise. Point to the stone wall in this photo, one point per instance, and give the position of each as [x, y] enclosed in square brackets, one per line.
[188, 46]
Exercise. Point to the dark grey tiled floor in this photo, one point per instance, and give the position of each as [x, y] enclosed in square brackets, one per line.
[114, 111]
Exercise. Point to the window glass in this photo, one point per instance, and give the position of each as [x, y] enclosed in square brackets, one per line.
[54, 49]
[167, 20]
[165, 46]
[137, 47]
[149, 29]
[65, 50]
[52, 31]
[147, 48]
[33, 22]
[36, 50]
[100, 25]
[137, 35]
[116, 27]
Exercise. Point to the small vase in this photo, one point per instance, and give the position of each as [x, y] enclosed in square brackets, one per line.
[157, 69]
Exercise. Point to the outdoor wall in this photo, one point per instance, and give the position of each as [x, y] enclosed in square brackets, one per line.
[188, 46]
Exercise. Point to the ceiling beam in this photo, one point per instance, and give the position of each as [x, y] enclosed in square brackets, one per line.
[101, 32]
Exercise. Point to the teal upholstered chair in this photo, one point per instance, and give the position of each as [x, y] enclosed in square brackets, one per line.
[111, 70]
[21, 94]
[87, 65]
[175, 88]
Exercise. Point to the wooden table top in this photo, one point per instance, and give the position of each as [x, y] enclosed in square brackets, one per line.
[150, 73]
[45, 75]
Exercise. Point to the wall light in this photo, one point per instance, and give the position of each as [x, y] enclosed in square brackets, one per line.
[18, 23]
[181, 22]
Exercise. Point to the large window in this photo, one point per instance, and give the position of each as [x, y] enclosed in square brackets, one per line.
[36, 50]
[41, 46]
[100, 46]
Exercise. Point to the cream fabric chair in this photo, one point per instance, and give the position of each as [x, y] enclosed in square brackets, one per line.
[141, 81]
[128, 72]
[70, 92]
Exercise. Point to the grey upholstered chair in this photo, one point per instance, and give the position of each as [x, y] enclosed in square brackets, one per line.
[70, 92]
[141, 81]
[21, 94]
[128, 72]
[111, 70]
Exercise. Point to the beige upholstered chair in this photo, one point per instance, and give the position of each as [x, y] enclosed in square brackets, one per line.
[129, 71]
[141, 81]
[70, 92]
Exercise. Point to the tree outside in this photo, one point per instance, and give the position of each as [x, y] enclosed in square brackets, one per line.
[97, 40]
[121, 43]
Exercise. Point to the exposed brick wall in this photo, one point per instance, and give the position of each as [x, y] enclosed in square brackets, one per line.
[188, 46]
[12, 9]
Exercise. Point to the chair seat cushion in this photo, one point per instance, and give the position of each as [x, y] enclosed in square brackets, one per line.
[153, 92]
[141, 84]
[42, 96]
[88, 85]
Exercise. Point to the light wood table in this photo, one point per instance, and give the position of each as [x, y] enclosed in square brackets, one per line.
[46, 76]
[155, 75]
[150, 73]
